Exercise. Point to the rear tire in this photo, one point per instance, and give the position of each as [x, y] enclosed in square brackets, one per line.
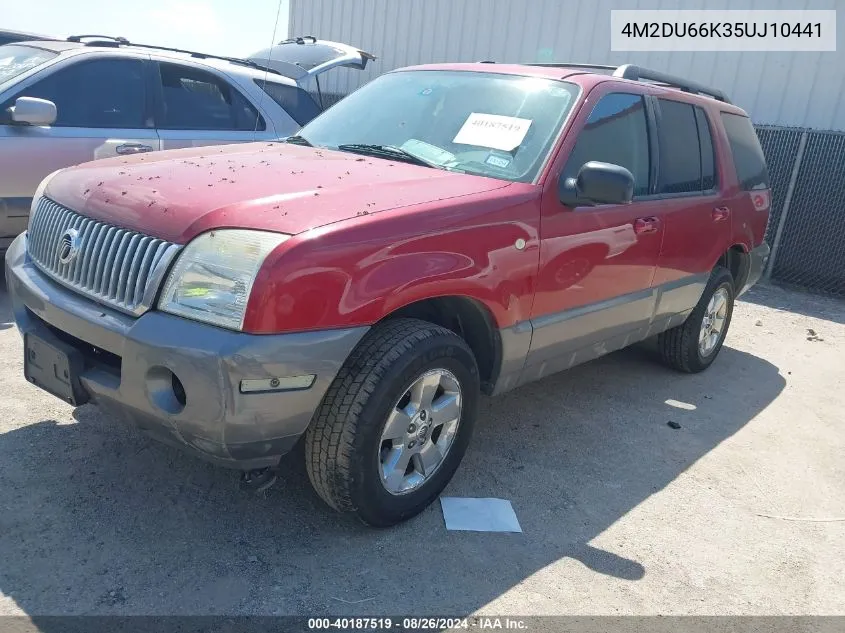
[347, 454]
[683, 347]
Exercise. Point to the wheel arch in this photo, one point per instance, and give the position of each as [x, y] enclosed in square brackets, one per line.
[736, 260]
[468, 318]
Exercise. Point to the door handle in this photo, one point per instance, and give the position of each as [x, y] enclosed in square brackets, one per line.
[721, 213]
[646, 225]
[132, 148]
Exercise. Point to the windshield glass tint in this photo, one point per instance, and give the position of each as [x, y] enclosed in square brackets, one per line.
[493, 125]
[15, 60]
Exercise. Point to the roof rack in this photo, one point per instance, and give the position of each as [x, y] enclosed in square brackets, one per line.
[101, 40]
[638, 73]
[566, 65]
[115, 42]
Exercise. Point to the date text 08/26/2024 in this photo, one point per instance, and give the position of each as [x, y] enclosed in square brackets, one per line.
[417, 624]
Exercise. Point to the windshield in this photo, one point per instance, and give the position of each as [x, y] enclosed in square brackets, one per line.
[489, 124]
[16, 60]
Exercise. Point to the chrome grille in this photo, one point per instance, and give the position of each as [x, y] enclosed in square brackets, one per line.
[114, 266]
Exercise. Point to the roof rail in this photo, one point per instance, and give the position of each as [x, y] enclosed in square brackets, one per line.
[637, 73]
[109, 41]
[568, 65]
[100, 40]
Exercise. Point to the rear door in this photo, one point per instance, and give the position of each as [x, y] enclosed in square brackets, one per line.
[102, 110]
[695, 216]
[195, 106]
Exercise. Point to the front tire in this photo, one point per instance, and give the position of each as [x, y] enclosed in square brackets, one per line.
[395, 423]
[693, 346]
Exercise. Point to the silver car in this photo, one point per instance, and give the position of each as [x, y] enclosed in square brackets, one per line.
[90, 97]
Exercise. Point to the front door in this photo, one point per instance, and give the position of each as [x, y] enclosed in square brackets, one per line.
[597, 263]
[101, 111]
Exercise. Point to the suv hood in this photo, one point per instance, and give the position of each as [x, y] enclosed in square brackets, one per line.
[176, 195]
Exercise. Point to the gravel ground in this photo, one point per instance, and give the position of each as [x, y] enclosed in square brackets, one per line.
[730, 513]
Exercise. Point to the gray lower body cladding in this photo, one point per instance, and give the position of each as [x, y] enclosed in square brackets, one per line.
[551, 343]
[545, 345]
[130, 364]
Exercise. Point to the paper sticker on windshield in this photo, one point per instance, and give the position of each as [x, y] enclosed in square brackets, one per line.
[427, 151]
[497, 161]
[493, 130]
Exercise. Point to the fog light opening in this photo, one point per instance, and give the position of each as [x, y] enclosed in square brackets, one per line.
[178, 389]
[165, 390]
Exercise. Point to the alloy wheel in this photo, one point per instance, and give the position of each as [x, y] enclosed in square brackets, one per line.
[419, 431]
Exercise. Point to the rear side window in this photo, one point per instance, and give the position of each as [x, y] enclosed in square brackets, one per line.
[292, 99]
[193, 99]
[616, 132]
[708, 156]
[680, 155]
[103, 93]
[748, 156]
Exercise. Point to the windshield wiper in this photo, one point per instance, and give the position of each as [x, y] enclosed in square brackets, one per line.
[388, 151]
[296, 139]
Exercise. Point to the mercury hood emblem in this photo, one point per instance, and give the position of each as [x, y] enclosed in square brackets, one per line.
[68, 246]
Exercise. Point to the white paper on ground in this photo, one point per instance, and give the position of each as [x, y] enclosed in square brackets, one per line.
[479, 515]
[493, 130]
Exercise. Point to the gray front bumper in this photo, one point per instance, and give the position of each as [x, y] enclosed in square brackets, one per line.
[217, 421]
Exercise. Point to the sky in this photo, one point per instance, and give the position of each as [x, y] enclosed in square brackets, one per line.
[222, 27]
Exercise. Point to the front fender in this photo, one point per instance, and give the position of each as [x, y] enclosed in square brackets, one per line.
[361, 273]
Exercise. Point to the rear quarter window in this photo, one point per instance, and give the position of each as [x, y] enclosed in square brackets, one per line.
[748, 158]
[294, 100]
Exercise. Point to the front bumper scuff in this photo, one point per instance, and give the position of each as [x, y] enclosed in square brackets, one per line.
[217, 422]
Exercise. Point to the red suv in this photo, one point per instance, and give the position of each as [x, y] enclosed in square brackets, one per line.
[443, 232]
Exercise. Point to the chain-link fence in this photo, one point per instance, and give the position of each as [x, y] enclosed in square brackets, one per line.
[807, 223]
[780, 147]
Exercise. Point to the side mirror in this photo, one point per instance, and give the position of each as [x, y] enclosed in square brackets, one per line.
[597, 183]
[33, 111]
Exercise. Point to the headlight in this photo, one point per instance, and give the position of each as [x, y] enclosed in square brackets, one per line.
[213, 276]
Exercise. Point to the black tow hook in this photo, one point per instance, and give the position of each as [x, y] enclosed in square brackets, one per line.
[258, 480]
